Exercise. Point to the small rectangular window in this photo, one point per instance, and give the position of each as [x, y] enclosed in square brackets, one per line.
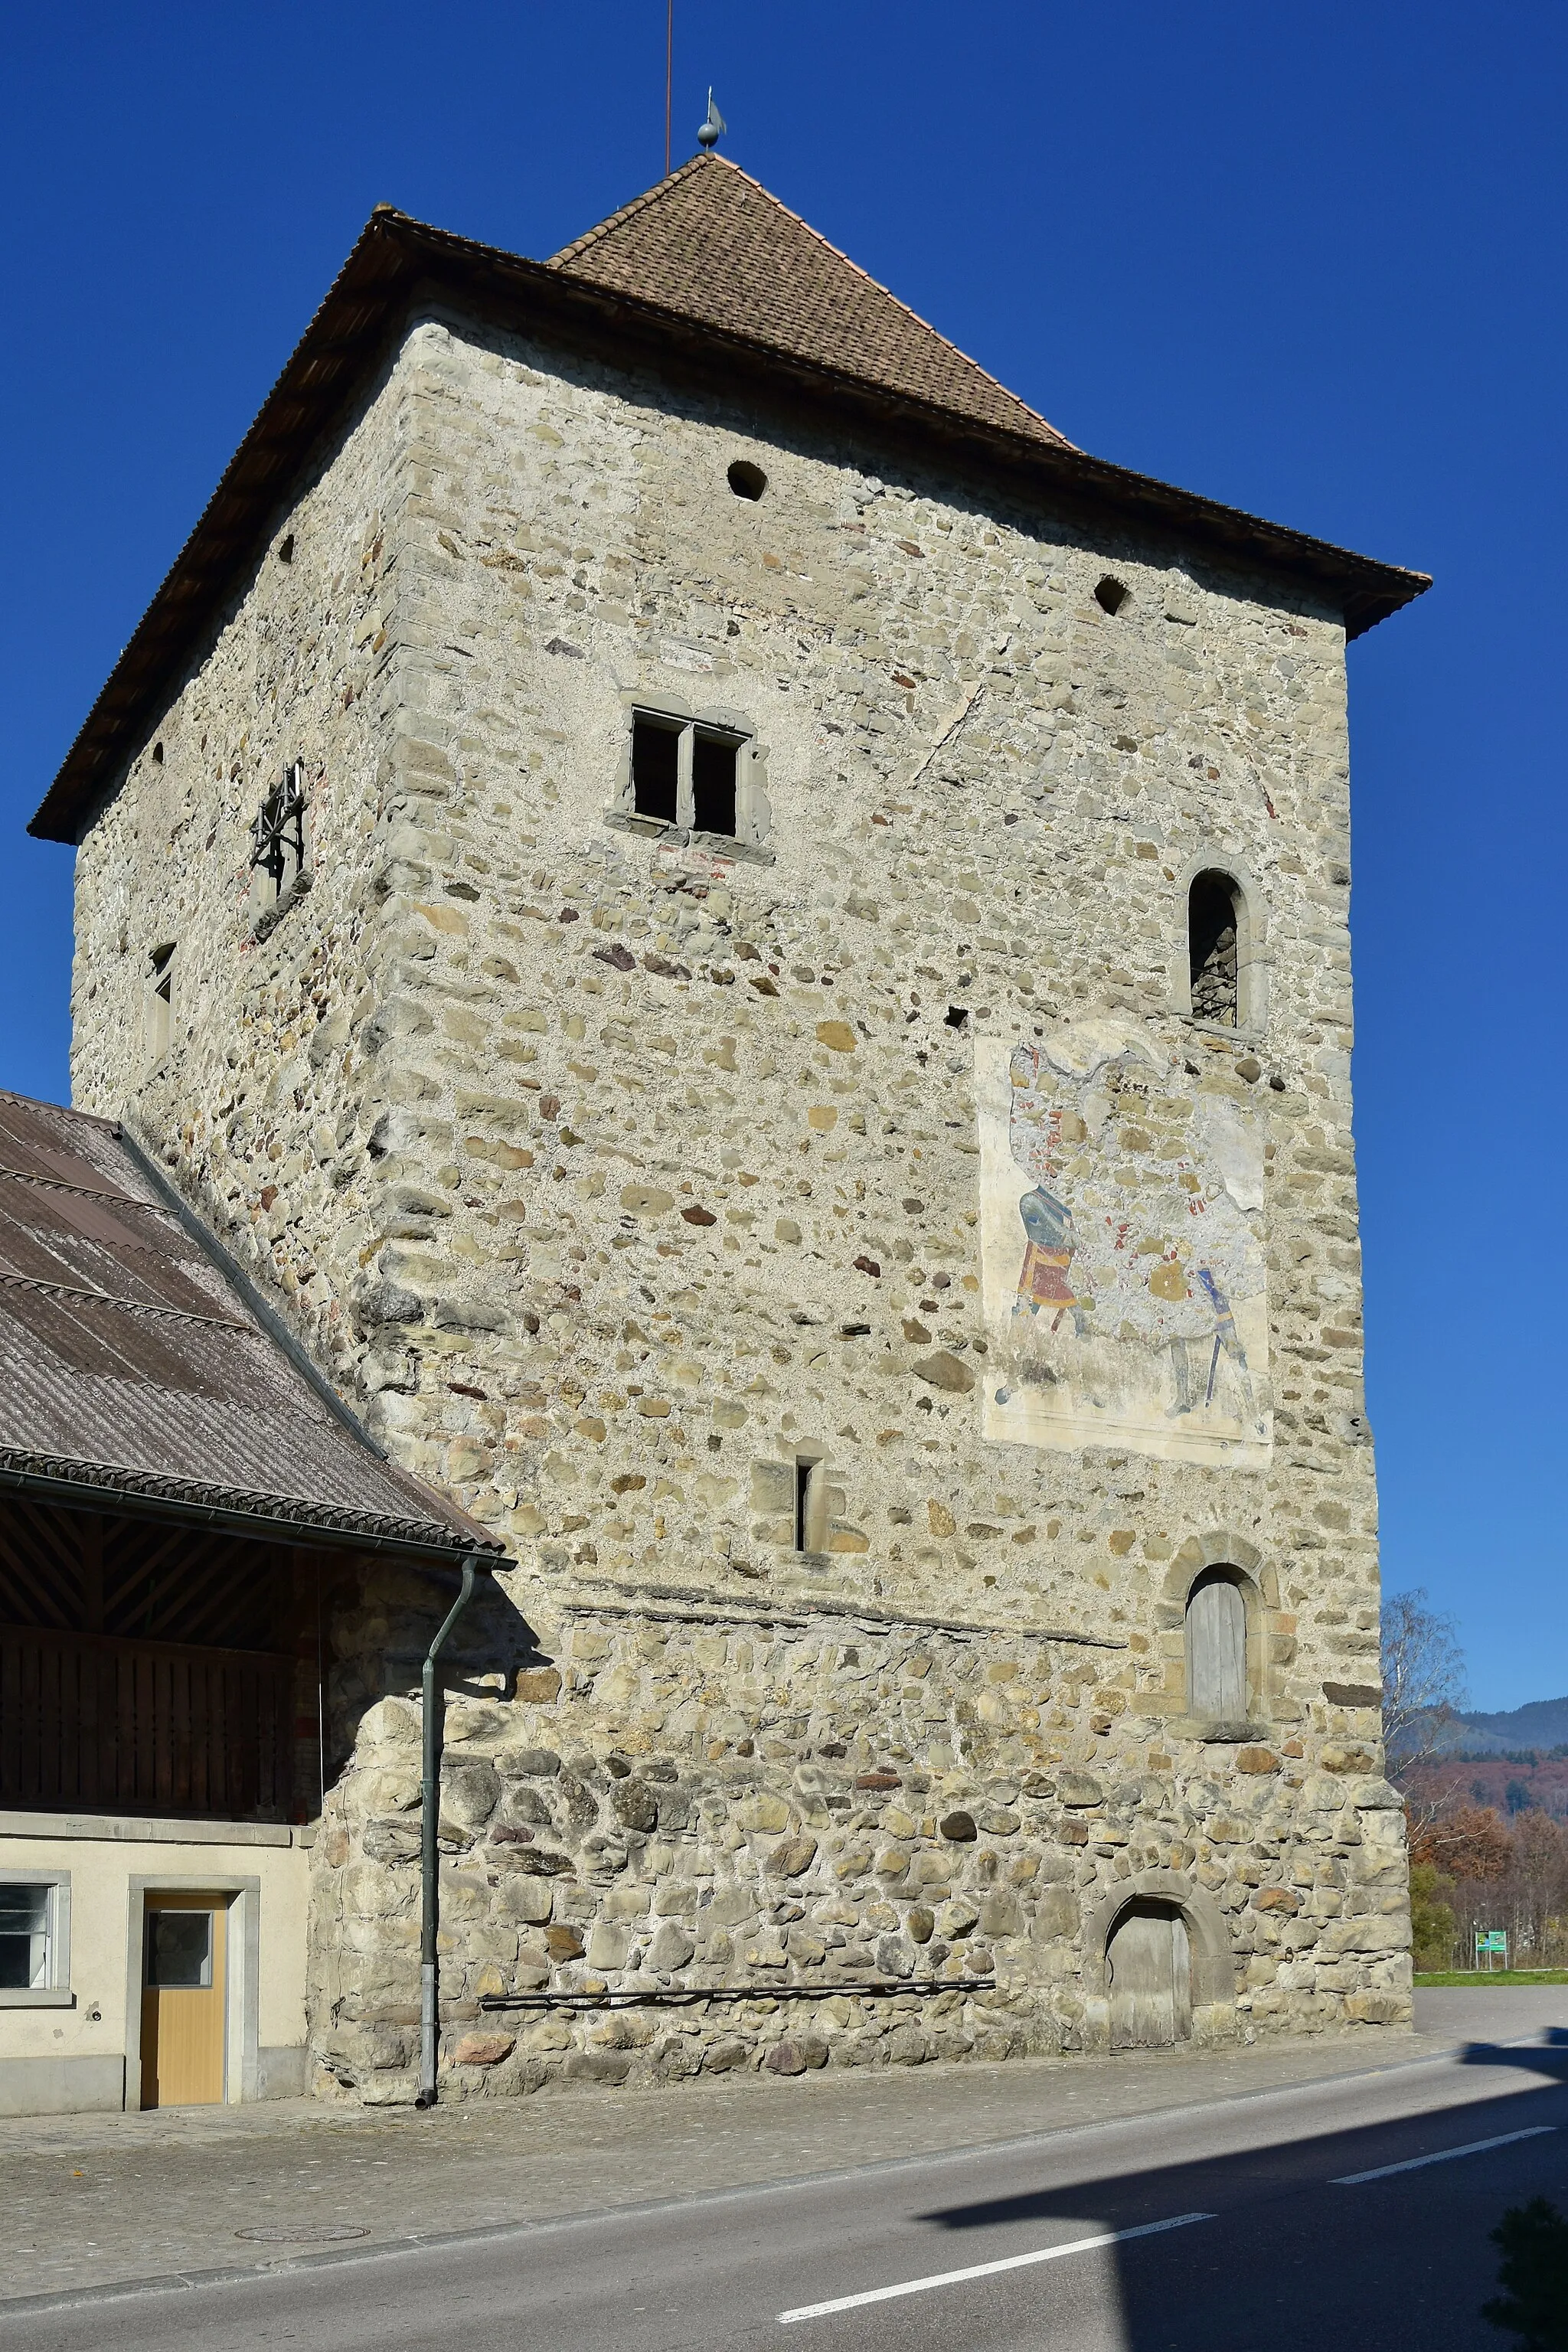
[713, 761]
[701, 775]
[26, 1921]
[656, 769]
[179, 1949]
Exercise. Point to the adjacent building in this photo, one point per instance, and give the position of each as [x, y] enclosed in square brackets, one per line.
[189, 1520]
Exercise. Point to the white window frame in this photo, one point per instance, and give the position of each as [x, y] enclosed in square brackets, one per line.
[55, 1992]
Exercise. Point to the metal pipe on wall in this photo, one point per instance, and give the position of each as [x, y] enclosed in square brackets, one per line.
[434, 1691]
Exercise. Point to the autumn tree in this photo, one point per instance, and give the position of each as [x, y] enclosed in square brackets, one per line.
[1469, 1844]
[1538, 1878]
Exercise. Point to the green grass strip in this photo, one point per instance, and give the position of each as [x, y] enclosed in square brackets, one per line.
[1492, 1976]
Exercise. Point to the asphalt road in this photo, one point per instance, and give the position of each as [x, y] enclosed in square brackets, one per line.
[1311, 2216]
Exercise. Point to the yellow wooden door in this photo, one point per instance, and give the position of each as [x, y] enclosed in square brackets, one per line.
[183, 2007]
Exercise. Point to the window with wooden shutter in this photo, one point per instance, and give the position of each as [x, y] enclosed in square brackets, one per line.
[1217, 1648]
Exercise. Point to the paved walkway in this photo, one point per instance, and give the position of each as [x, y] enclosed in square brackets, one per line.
[91, 2199]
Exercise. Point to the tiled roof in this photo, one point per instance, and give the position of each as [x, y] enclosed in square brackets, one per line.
[710, 243]
[131, 1364]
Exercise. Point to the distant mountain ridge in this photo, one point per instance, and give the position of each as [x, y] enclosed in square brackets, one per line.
[1542, 1722]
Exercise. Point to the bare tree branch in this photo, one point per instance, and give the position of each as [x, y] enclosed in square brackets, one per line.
[1423, 1679]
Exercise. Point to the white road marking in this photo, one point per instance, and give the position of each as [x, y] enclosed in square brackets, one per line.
[985, 2269]
[1444, 2156]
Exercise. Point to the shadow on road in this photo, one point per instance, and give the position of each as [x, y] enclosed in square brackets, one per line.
[1291, 2252]
[1547, 2055]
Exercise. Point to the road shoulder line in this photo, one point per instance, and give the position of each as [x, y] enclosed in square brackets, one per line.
[1440, 2156]
[988, 2270]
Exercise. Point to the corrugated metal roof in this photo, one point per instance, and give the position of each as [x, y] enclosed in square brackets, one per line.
[128, 1360]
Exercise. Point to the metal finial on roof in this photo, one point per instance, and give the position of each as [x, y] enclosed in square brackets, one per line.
[711, 129]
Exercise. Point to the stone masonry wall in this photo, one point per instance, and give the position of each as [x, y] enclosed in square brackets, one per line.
[611, 1176]
[685, 1801]
[256, 1107]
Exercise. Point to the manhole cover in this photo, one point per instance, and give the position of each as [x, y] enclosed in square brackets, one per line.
[300, 2232]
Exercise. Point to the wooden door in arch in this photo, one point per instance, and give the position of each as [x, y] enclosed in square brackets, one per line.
[1149, 1974]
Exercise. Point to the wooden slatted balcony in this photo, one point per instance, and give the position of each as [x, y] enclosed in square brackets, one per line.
[94, 1723]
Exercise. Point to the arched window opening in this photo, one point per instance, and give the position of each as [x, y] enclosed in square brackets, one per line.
[1149, 1976]
[1112, 594]
[1214, 923]
[1217, 1648]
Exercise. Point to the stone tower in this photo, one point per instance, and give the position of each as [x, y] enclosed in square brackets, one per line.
[755, 947]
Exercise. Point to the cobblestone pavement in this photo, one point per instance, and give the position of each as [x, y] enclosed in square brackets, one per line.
[94, 2199]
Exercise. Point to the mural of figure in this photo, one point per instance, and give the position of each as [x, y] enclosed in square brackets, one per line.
[1227, 1342]
[1132, 1307]
[1043, 1279]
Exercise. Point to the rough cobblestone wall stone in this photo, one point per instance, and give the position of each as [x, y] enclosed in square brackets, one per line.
[612, 1177]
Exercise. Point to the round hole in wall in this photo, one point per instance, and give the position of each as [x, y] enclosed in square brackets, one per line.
[747, 481]
[1110, 595]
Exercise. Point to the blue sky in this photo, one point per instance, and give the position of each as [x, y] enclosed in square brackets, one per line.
[1309, 261]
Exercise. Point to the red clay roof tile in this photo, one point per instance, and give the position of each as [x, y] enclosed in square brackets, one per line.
[710, 243]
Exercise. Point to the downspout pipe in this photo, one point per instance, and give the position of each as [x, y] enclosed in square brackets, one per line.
[434, 1712]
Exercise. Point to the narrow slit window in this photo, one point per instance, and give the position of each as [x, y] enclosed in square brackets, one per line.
[810, 1511]
[160, 1001]
[1212, 925]
[656, 770]
[713, 763]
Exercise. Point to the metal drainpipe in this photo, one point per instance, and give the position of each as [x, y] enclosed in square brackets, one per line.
[435, 1703]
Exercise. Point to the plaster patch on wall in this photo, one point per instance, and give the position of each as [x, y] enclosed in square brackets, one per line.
[1122, 1252]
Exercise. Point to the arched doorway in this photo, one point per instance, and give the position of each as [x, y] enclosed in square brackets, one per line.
[1149, 1976]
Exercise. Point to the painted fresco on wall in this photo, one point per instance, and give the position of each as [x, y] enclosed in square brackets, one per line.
[1121, 1250]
